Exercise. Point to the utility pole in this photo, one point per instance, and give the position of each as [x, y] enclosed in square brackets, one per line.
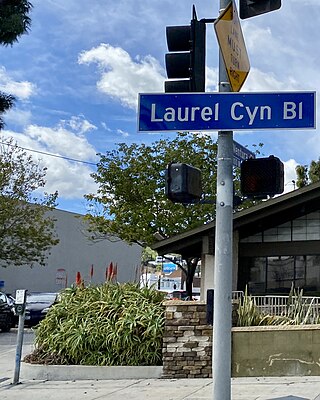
[184, 43]
[222, 320]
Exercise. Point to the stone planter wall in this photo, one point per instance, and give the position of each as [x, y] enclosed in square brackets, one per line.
[256, 351]
[276, 351]
[187, 342]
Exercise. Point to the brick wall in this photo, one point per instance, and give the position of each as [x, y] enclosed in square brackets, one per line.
[187, 341]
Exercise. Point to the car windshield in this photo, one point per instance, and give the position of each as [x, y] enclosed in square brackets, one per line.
[41, 298]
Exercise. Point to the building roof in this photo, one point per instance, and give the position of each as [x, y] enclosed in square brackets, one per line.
[262, 216]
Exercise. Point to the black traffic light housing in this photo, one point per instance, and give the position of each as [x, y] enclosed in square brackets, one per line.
[186, 60]
[261, 177]
[183, 183]
[251, 8]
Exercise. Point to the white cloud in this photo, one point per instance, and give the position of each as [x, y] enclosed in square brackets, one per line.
[266, 81]
[290, 175]
[79, 124]
[261, 41]
[23, 89]
[122, 77]
[280, 56]
[122, 133]
[105, 126]
[314, 3]
[212, 79]
[61, 141]
[18, 117]
[71, 179]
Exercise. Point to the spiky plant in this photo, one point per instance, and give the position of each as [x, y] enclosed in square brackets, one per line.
[112, 324]
[297, 312]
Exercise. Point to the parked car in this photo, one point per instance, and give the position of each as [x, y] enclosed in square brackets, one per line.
[6, 313]
[37, 306]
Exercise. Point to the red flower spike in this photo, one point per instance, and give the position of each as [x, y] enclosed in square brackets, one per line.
[78, 278]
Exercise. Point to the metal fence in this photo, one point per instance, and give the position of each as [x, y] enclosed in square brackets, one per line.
[237, 295]
[283, 305]
[307, 307]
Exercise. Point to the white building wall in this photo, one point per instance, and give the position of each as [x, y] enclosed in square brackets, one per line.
[75, 252]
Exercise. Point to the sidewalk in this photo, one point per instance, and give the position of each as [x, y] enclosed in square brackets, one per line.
[35, 388]
[290, 388]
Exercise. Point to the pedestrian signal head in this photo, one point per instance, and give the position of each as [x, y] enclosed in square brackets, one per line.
[262, 177]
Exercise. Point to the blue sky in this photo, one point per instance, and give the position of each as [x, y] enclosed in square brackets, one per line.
[77, 76]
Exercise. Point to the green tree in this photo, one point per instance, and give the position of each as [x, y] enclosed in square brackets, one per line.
[307, 175]
[6, 102]
[131, 201]
[148, 255]
[26, 230]
[14, 22]
[131, 197]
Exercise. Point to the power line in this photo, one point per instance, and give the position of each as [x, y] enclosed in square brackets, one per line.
[50, 154]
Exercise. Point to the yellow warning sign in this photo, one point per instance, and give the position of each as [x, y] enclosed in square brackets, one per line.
[232, 46]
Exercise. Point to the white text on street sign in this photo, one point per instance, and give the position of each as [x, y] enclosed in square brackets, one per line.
[226, 111]
[241, 153]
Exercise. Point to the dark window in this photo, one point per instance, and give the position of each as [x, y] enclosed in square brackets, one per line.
[277, 274]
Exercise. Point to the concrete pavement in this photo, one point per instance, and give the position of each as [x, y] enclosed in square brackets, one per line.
[291, 388]
[68, 388]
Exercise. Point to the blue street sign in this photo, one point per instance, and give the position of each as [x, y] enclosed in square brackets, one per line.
[241, 153]
[226, 111]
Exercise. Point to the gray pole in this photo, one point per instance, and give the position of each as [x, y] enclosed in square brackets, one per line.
[222, 322]
[19, 349]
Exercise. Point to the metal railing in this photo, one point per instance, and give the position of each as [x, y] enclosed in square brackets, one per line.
[281, 305]
[237, 294]
[307, 308]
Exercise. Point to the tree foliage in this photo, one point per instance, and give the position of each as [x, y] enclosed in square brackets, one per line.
[14, 20]
[6, 102]
[307, 175]
[26, 232]
[131, 201]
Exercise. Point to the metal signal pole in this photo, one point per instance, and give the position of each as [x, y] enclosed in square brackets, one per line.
[222, 322]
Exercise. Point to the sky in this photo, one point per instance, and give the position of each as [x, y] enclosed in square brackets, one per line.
[78, 72]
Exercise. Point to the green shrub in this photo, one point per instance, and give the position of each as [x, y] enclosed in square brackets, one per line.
[249, 314]
[112, 324]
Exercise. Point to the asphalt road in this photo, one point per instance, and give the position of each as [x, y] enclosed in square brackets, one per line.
[8, 345]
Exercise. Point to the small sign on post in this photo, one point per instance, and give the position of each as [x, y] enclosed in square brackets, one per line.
[20, 296]
[20, 305]
[241, 153]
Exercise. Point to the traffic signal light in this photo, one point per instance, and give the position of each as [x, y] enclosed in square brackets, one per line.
[186, 60]
[262, 177]
[183, 183]
[251, 8]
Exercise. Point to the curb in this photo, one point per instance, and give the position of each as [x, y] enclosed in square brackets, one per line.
[87, 372]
